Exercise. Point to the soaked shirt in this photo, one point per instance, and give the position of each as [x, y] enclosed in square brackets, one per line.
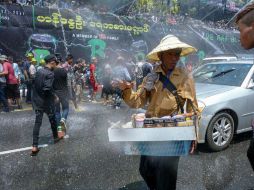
[60, 83]
[11, 78]
[161, 102]
[43, 93]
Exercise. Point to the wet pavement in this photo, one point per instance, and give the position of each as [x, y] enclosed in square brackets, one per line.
[87, 161]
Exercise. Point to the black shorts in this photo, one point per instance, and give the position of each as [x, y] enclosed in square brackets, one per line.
[12, 91]
[107, 90]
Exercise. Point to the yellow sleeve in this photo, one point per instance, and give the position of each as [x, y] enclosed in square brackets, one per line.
[189, 93]
[135, 99]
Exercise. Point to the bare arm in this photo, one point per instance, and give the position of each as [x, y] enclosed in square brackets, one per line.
[5, 71]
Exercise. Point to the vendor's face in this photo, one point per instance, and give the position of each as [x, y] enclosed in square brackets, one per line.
[246, 35]
[170, 59]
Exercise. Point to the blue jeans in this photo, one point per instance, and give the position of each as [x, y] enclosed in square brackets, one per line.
[64, 102]
[3, 97]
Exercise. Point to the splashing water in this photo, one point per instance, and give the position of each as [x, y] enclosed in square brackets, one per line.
[63, 32]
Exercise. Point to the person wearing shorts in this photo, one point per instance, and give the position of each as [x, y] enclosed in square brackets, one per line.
[3, 99]
[12, 90]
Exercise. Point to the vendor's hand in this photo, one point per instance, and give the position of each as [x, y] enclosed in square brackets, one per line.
[193, 147]
[124, 85]
[188, 114]
[119, 84]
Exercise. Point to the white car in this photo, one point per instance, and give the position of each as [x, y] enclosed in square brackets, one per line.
[225, 93]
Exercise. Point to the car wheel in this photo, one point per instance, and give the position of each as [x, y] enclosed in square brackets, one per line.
[220, 132]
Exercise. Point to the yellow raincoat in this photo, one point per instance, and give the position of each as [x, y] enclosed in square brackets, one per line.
[161, 101]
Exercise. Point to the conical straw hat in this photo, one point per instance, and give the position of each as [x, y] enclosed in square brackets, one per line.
[170, 42]
[3, 58]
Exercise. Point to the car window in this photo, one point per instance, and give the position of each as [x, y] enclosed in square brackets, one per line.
[222, 74]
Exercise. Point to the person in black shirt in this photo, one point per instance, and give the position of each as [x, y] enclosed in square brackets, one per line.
[245, 23]
[43, 100]
[61, 89]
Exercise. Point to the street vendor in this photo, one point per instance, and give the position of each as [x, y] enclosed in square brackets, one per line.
[160, 173]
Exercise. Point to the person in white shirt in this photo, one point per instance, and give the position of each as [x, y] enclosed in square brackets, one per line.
[32, 69]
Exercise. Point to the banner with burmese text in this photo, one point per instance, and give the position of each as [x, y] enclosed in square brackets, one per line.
[84, 33]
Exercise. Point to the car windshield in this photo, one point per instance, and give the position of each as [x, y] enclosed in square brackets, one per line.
[222, 74]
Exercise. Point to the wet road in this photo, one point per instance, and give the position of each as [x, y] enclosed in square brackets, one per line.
[87, 161]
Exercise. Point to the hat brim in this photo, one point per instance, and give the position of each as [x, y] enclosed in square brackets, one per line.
[3, 59]
[186, 50]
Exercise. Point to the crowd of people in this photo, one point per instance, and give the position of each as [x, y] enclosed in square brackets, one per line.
[53, 83]
[9, 83]
[83, 82]
[167, 89]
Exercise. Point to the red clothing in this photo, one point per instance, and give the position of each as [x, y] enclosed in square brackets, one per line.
[92, 77]
[95, 86]
[92, 71]
[11, 78]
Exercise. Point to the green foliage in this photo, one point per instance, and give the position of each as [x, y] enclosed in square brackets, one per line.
[157, 6]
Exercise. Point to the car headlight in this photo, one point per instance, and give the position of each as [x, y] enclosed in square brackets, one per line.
[201, 105]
